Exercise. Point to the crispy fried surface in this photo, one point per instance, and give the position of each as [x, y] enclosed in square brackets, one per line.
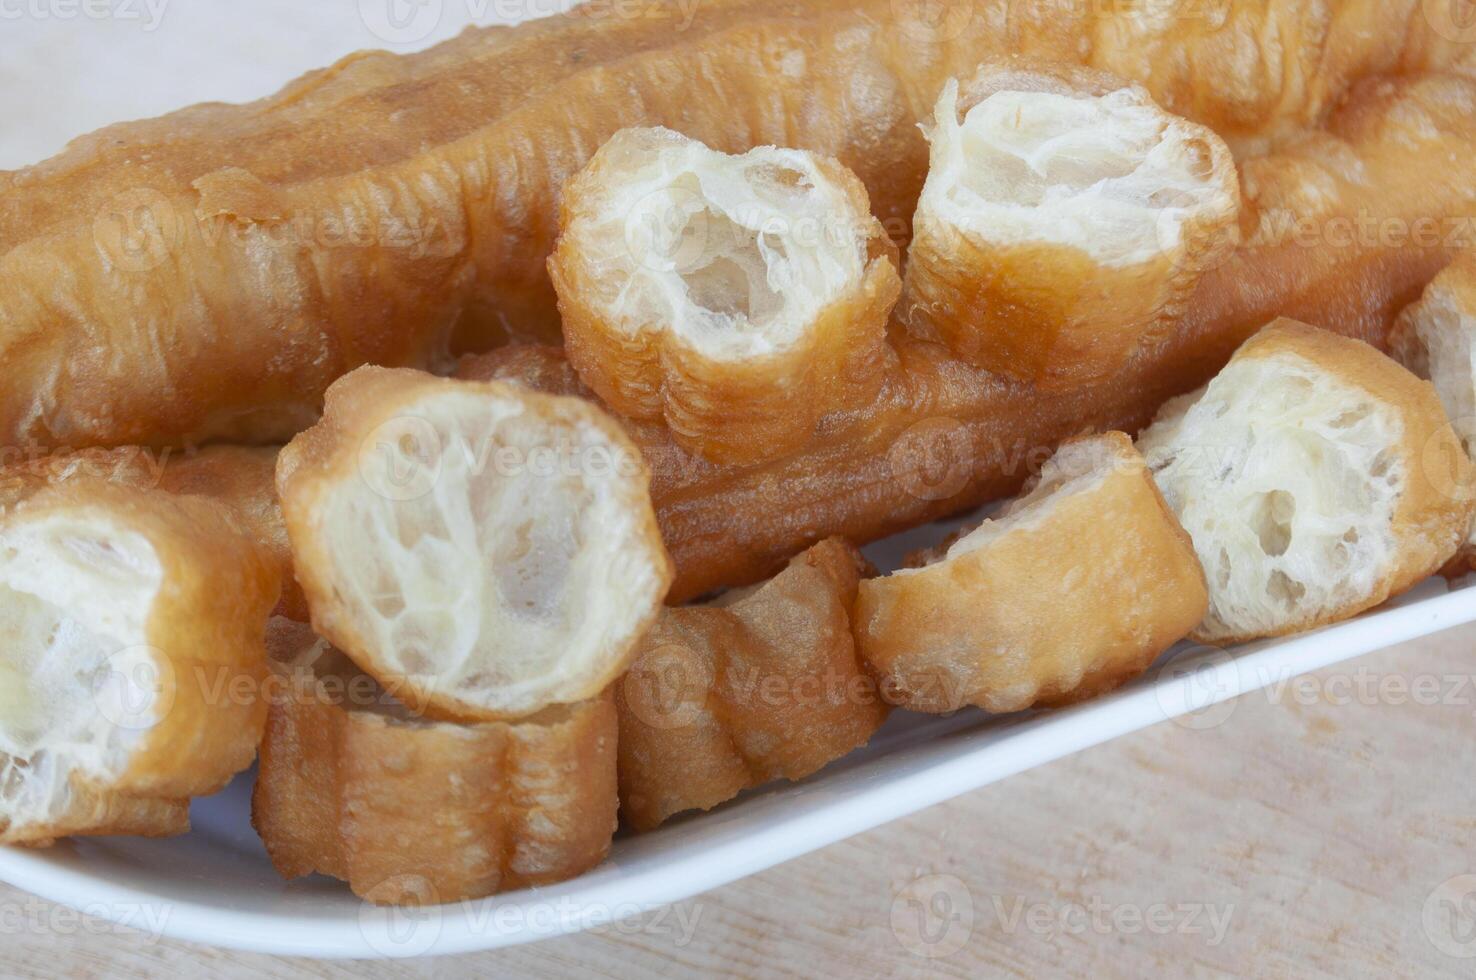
[754, 304]
[409, 811]
[389, 209]
[484, 551]
[733, 695]
[1064, 224]
[1075, 590]
[105, 585]
[1335, 232]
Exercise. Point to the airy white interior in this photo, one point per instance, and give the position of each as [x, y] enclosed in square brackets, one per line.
[1112, 175]
[507, 584]
[1285, 479]
[736, 254]
[77, 681]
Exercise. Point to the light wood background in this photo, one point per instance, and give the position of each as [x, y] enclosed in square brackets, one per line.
[1316, 825]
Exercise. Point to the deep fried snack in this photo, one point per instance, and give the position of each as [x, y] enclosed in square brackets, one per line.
[762, 685]
[941, 438]
[1065, 221]
[132, 659]
[739, 298]
[241, 479]
[410, 811]
[1436, 339]
[482, 550]
[1303, 475]
[1074, 590]
[388, 208]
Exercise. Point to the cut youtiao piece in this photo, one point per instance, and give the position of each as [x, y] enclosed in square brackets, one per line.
[763, 684]
[1317, 478]
[482, 550]
[132, 659]
[740, 298]
[410, 811]
[1065, 220]
[1436, 339]
[1074, 589]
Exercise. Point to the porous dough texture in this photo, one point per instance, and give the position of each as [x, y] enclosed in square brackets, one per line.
[389, 208]
[739, 298]
[482, 550]
[1065, 221]
[1073, 590]
[762, 684]
[132, 661]
[1317, 477]
[415, 812]
[1436, 339]
[942, 438]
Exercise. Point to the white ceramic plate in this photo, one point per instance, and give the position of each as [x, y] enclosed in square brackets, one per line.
[216, 886]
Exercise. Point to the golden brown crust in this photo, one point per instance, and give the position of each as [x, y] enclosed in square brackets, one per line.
[415, 812]
[729, 409]
[201, 653]
[325, 466]
[734, 695]
[273, 269]
[1078, 593]
[1338, 235]
[1434, 512]
[1045, 310]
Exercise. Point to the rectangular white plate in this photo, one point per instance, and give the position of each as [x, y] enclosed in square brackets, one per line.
[216, 886]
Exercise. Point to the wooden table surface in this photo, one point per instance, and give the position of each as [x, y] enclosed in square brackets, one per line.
[1325, 828]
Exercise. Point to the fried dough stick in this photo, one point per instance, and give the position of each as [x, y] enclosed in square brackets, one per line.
[410, 811]
[132, 660]
[1072, 591]
[1343, 229]
[482, 550]
[207, 275]
[759, 686]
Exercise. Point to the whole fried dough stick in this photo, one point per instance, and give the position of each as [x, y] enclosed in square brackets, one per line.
[205, 276]
[761, 685]
[132, 658]
[416, 812]
[1342, 228]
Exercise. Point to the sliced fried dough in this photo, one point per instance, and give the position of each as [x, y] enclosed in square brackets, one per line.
[1065, 220]
[1436, 339]
[409, 811]
[482, 550]
[760, 686]
[132, 659]
[740, 298]
[1312, 474]
[1074, 590]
